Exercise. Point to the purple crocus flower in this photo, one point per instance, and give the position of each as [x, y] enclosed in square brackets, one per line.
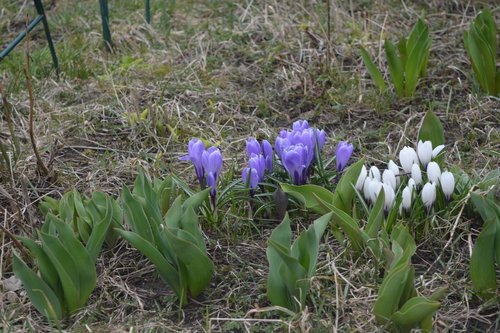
[300, 125]
[258, 163]
[321, 137]
[267, 151]
[343, 153]
[294, 160]
[212, 163]
[195, 152]
[253, 181]
[253, 147]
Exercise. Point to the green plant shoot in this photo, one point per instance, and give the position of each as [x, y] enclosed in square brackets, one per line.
[291, 266]
[168, 234]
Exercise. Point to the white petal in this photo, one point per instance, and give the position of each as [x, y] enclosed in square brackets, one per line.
[447, 183]
[389, 178]
[433, 172]
[437, 150]
[361, 178]
[416, 174]
[374, 173]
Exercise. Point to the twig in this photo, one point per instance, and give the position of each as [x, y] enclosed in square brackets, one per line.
[39, 160]
[14, 240]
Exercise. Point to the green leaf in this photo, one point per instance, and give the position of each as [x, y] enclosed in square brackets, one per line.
[167, 271]
[418, 48]
[390, 292]
[40, 294]
[304, 194]
[345, 192]
[45, 267]
[395, 68]
[100, 230]
[374, 72]
[135, 216]
[482, 262]
[376, 217]
[431, 130]
[414, 311]
[199, 268]
[85, 272]
[196, 200]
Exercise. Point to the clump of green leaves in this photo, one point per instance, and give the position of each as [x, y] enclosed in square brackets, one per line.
[486, 251]
[167, 233]
[87, 216]
[481, 45]
[407, 64]
[397, 304]
[65, 275]
[291, 266]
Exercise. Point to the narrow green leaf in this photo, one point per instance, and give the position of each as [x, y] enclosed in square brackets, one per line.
[345, 193]
[376, 217]
[414, 311]
[167, 271]
[374, 72]
[40, 294]
[431, 130]
[199, 268]
[100, 230]
[304, 194]
[396, 68]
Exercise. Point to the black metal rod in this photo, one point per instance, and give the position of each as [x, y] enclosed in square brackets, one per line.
[41, 12]
[20, 37]
[106, 33]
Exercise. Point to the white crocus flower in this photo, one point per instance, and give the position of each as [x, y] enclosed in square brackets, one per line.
[374, 173]
[411, 184]
[429, 194]
[447, 183]
[424, 151]
[433, 172]
[389, 178]
[395, 170]
[407, 156]
[375, 187]
[406, 202]
[388, 197]
[416, 174]
[437, 150]
[361, 178]
[366, 188]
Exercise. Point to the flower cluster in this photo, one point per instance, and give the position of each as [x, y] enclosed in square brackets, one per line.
[296, 149]
[207, 164]
[260, 161]
[370, 182]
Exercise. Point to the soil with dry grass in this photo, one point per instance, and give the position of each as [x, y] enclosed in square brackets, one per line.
[223, 71]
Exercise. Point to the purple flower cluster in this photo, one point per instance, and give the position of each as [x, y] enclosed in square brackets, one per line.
[260, 161]
[207, 164]
[296, 149]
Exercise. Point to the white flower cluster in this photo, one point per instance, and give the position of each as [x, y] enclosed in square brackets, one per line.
[370, 182]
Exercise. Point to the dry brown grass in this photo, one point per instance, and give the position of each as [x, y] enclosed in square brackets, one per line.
[224, 71]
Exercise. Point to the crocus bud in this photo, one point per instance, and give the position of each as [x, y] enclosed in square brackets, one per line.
[411, 184]
[395, 170]
[433, 172]
[250, 175]
[388, 197]
[321, 138]
[375, 187]
[437, 150]
[416, 174]
[212, 163]
[258, 163]
[267, 151]
[300, 125]
[429, 194]
[195, 152]
[361, 178]
[389, 178]
[366, 188]
[407, 156]
[424, 151]
[374, 173]
[343, 153]
[447, 184]
[253, 147]
[406, 196]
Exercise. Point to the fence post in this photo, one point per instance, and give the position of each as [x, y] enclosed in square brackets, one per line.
[106, 33]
